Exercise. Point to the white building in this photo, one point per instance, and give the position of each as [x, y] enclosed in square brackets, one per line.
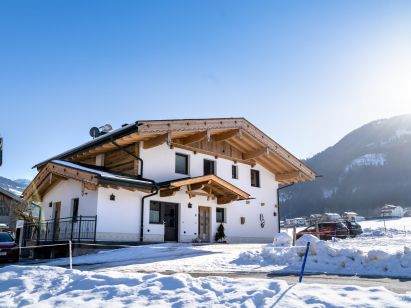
[174, 180]
[326, 217]
[350, 216]
[389, 210]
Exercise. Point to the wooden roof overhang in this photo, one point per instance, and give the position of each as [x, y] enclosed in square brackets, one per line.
[53, 173]
[210, 186]
[230, 138]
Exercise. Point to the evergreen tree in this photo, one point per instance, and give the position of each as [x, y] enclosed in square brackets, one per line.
[220, 235]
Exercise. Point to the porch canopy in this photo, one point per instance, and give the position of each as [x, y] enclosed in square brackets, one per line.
[90, 176]
[210, 186]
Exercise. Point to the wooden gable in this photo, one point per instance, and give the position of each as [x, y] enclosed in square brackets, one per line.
[235, 139]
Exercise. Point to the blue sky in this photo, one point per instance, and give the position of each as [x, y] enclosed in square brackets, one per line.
[305, 72]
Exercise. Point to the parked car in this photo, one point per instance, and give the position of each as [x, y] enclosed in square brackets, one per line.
[326, 230]
[354, 228]
[7, 243]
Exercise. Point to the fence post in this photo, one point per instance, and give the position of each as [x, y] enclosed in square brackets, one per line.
[47, 231]
[72, 226]
[70, 255]
[294, 234]
[79, 229]
[95, 229]
[304, 261]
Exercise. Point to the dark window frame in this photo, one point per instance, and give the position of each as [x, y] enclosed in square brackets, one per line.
[257, 174]
[213, 163]
[75, 208]
[187, 165]
[223, 213]
[161, 213]
[161, 206]
[234, 172]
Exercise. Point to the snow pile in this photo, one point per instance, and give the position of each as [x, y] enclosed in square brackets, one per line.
[329, 257]
[51, 286]
[282, 239]
[373, 159]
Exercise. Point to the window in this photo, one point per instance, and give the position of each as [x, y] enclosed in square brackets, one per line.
[234, 171]
[255, 178]
[209, 167]
[220, 214]
[74, 211]
[155, 212]
[181, 163]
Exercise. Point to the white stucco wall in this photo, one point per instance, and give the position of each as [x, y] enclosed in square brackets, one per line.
[65, 192]
[119, 220]
[159, 164]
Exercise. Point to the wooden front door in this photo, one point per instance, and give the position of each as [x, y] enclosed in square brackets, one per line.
[204, 223]
[171, 222]
[56, 216]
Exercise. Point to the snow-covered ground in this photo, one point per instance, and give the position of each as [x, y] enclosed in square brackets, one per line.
[373, 254]
[393, 225]
[132, 276]
[45, 286]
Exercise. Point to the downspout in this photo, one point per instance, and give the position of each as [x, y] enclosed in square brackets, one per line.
[142, 209]
[140, 176]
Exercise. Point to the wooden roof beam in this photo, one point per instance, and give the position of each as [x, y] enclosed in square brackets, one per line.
[156, 141]
[194, 138]
[256, 153]
[283, 177]
[228, 135]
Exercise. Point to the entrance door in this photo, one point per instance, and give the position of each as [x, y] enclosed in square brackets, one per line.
[171, 222]
[56, 216]
[204, 223]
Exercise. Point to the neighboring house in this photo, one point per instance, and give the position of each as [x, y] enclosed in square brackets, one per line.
[350, 216]
[171, 180]
[9, 205]
[389, 210]
[313, 219]
[298, 222]
[330, 217]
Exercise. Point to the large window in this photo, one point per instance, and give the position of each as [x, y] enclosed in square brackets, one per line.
[209, 167]
[220, 214]
[234, 172]
[181, 163]
[155, 212]
[74, 212]
[255, 178]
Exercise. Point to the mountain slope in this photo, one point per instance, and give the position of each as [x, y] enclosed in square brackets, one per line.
[16, 186]
[369, 167]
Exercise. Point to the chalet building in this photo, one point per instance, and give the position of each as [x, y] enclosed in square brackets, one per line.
[9, 205]
[167, 180]
[390, 210]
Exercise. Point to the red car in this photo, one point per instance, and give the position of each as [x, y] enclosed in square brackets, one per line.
[8, 251]
[326, 230]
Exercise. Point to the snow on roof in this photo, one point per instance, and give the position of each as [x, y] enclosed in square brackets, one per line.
[10, 194]
[350, 213]
[101, 173]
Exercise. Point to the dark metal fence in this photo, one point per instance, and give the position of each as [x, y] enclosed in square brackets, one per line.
[81, 228]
